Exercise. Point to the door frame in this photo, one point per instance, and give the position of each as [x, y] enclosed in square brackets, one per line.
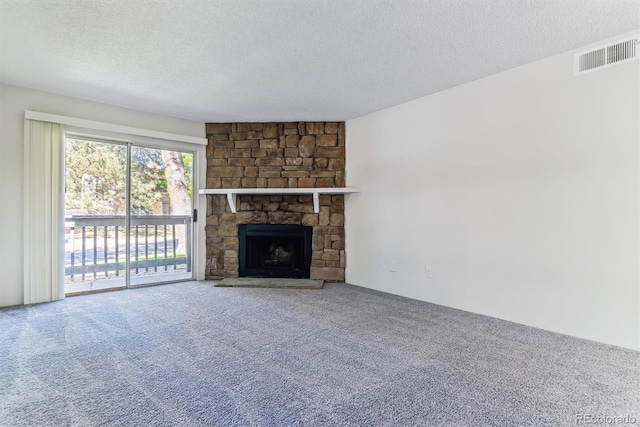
[198, 256]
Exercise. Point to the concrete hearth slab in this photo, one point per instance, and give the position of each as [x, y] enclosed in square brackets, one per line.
[255, 282]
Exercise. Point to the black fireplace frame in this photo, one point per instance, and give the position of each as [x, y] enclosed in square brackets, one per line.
[274, 230]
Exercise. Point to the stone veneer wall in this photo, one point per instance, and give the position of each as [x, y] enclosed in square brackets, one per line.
[276, 155]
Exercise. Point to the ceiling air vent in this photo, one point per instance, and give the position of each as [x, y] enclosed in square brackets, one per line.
[606, 56]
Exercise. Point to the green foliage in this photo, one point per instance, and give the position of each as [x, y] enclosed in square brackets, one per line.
[95, 177]
[161, 185]
[95, 181]
[187, 161]
[146, 166]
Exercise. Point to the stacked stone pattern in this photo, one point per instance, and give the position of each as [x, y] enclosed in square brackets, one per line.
[276, 155]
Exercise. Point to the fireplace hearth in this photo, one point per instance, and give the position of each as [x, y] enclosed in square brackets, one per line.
[272, 250]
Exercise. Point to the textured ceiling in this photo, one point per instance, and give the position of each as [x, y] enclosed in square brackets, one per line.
[272, 60]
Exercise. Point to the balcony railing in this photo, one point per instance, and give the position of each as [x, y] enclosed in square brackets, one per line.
[96, 245]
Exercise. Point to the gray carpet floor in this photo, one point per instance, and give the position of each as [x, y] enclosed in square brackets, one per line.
[192, 354]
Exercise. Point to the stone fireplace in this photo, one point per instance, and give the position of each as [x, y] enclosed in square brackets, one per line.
[276, 155]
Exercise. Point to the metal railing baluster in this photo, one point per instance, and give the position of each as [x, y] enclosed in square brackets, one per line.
[73, 249]
[166, 254]
[173, 238]
[95, 251]
[137, 263]
[84, 250]
[117, 252]
[106, 252]
[146, 246]
[155, 245]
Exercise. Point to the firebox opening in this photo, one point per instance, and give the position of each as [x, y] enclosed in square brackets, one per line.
[270, 250]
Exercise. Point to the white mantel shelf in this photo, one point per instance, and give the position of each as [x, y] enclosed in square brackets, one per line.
[232, 193]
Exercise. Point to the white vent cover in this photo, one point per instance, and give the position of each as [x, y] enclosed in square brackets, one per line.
[606, 56]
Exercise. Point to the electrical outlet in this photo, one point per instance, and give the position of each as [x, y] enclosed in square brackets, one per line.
[393, 267]
[428, 272]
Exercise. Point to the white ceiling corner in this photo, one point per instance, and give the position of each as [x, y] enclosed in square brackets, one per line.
[285, 60]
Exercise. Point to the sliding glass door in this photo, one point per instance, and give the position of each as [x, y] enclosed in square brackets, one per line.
[95, 207]
[128, 219]
[161, 216]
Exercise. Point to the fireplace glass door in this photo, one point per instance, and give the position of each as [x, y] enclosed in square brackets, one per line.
[268, 250]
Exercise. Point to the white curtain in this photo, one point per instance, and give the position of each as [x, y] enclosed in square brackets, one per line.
[44, 212]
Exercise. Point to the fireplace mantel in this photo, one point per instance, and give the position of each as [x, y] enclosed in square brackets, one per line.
[232, 193]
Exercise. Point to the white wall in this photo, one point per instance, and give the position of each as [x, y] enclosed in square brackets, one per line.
[13, 103]
[520, 190]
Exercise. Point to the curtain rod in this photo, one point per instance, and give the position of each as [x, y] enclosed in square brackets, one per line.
[110, 127]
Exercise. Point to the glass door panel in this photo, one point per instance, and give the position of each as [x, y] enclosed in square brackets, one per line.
[95, 209]
[160, 234]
